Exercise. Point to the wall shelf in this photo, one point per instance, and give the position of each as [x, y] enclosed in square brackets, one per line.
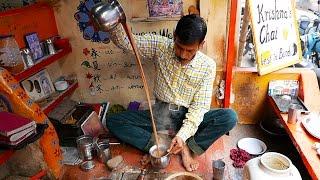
[154, 19]
[45, 61]
[57, 100]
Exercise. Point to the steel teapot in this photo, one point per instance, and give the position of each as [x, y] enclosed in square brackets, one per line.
[108, 15]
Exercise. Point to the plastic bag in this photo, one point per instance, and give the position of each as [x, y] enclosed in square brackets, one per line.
[10, 57]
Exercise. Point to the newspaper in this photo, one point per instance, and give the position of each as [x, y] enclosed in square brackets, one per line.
[70, 156]
[283, 87]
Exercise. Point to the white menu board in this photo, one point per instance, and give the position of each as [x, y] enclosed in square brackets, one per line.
[275, 34]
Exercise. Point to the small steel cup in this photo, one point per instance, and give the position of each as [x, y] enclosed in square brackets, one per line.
[159, 162]
[218, 169]
[103, 150]
[294, 113]
[85, 147]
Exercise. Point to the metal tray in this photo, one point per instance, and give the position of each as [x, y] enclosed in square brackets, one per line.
[279, 101]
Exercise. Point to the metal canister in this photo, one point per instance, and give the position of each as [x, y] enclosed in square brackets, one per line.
[103, 150]
[294, 113]
[50, 47]
[85, 147]
[27, 57]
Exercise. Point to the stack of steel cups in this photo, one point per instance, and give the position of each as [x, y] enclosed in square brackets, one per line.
[86, 151]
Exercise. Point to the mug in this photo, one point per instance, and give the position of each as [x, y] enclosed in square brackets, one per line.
[218, 167]
[294, 113]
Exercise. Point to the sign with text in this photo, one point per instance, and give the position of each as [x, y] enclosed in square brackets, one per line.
[275, 34]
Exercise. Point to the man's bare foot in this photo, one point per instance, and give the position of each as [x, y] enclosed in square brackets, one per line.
[145, 160]
[188, 161]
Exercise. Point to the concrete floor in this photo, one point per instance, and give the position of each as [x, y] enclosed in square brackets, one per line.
[281, 145]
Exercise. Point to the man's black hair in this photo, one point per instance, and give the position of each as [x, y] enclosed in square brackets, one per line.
[191, 29]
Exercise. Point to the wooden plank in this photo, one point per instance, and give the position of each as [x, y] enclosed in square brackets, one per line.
[231, 52]
[37, 18]
[243, 33]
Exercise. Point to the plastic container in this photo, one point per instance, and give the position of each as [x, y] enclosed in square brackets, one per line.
[61, 85]
[270, 165]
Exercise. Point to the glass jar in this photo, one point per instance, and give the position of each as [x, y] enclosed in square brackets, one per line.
[10, 57]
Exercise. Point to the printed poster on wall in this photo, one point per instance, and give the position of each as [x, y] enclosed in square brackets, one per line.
[275, 34]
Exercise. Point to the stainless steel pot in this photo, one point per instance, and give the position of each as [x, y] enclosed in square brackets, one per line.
[108, 15]
[159, 162]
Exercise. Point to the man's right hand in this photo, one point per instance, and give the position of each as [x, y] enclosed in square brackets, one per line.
[176, 146]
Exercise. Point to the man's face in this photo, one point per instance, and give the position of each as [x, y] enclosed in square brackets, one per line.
[185, 53]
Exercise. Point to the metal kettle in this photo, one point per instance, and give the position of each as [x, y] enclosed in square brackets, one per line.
[108, 15]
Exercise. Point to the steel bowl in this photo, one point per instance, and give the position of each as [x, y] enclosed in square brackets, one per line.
[159, 162]
[108, 15]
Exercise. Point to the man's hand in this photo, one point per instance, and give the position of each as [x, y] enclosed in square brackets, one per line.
[176, 145]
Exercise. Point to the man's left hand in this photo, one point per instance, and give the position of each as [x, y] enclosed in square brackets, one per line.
[176, 146]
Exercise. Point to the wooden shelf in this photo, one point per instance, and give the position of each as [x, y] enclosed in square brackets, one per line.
[57, 100]
[154, 19]
[45, 61]
[301, 139]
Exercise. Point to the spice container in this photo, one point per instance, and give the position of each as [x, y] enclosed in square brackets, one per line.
[50, 47]
[27, 57]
